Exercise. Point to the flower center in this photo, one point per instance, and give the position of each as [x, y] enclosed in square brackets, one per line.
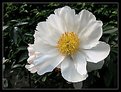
[68, 43]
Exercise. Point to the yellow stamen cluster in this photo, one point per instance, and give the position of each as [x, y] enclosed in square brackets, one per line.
[68, 43]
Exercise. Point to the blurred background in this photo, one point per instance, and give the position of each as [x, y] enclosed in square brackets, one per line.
[19, 23]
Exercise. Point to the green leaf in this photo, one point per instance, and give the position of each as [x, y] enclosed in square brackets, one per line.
[110, 31]
[107, 79]
[4, 27]
[22, 48]
[78, 85]
[21, 23]
[115, 50]
[5, 82]
[16, 66]
[28, 34]
[107, 27]
[111, 70]
[15, 35]
[44, 78]
[23, 57]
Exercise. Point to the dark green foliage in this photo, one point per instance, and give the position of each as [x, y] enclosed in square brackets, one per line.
[19, 23]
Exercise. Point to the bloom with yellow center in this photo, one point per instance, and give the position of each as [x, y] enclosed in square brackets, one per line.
[70, 42]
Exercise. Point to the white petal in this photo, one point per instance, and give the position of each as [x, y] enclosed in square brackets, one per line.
[85, 17]
[31, 58]
[80, 63]
[91, 34]
[69, 71]
[68, 18]
[43, 46]
[37, 54]
[42, 30]
[47, 43]
[45, 39]
[53, 37]
[97, 53]
[56, 22]
[31, 50]
[63, 10]
[94, 66]
[67, 15]
[89, 29]
[31, 68]
[50, 64]
[47, 62]
[59, 66]
[43, 57]
[46, 33]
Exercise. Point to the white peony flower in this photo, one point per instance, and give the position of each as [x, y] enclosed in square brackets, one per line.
[70, 42]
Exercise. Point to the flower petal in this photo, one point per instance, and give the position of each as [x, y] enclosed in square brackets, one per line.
[89, 29]
[46, 33]
[94, 66]
[91, 34]
[69, 71]
[80, 62]
[42, 30]
[56, 22]
[31, 50]
[68, 18]
[85, 17]
[47, 62]
[43, 46]
[31, 68]
[31, 58]
[59, 66]
[46, 43]
[63, 10]
[97, 53]
[53, 37]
